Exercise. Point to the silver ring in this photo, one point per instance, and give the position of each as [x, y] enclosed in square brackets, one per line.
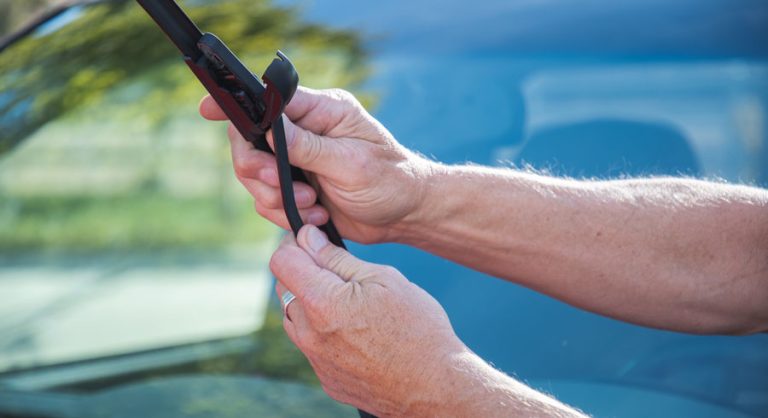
[287, 298]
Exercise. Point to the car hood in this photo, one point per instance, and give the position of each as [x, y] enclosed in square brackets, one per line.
[238, 396]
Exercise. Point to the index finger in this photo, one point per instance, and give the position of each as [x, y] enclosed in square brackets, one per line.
[302, 103]
[322, 111]
[311, 109]
[299, 273]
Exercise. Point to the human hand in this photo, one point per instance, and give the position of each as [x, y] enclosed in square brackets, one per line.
[375, 340]
[371, 185]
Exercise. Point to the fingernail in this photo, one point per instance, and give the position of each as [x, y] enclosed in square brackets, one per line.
[303, 197]
[315, 218]
[316, 239]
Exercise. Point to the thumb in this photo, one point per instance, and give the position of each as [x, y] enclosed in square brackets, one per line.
[329, 256]
[310, 151]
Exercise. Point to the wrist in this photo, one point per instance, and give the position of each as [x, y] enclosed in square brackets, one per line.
[466, 385]
[443, 385]
[427, 179]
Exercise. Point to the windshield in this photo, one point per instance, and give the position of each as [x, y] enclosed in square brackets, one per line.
[133, 268]
[125, 240]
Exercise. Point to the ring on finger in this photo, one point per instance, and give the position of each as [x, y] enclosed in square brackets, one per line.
[287, 298]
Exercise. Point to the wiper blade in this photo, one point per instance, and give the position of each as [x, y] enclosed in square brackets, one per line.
[253, 107]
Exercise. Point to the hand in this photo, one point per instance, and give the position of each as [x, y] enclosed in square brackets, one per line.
[370, 184]
[375, 340]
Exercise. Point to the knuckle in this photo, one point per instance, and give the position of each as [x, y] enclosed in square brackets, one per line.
[388, 271]
[260, 209]
[270, 198]
[277, 261]
[334, 258]
[240, 165]
[326, 326]
[274, 263]
[314, 304]
[343, 96]
[322, 317]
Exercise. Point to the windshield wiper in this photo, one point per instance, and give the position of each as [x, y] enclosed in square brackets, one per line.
[253, 107]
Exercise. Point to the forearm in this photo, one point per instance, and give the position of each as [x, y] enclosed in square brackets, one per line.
[669, 253]
[469, 387]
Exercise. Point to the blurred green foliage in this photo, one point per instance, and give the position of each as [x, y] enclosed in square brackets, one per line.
[144, 221]
[274, 355]
[112, 88]
[44, 77]
[101, 151]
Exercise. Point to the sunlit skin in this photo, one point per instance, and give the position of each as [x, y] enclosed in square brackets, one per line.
[679, 254]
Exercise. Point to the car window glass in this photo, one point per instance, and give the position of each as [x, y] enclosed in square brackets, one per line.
[125, 239]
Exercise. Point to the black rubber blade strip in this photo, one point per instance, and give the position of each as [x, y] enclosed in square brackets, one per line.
[288, 174]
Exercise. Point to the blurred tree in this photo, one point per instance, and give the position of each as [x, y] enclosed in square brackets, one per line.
[45, 76]
[108, 66]
[14, 13]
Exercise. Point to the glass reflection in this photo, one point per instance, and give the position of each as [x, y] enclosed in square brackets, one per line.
[128, 251]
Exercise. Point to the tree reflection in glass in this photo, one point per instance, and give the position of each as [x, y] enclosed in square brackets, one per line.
[105, 166]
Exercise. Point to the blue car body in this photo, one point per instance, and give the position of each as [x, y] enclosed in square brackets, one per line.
[590, 90]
